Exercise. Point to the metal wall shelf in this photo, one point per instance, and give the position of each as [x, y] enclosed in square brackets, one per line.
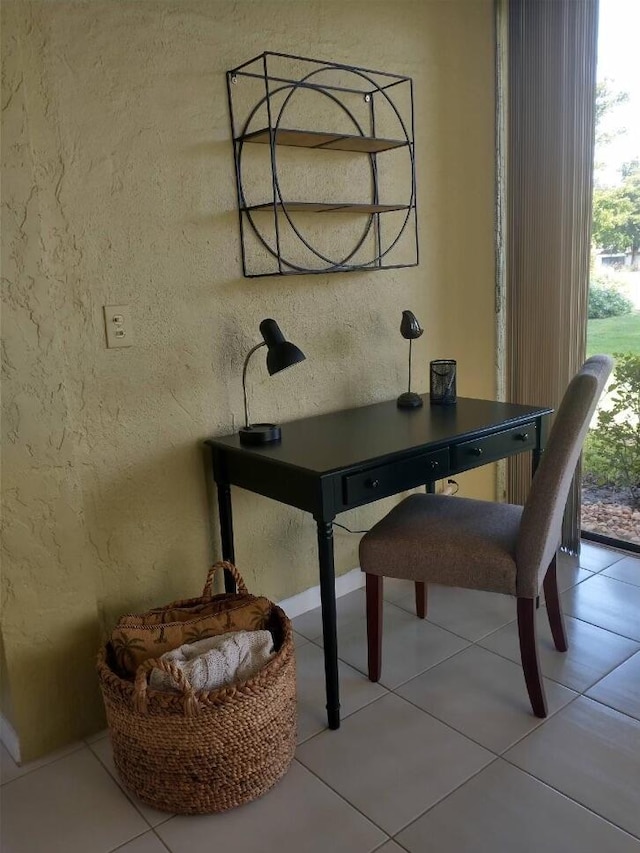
[361, 97]
[318, 139]
[325, 207]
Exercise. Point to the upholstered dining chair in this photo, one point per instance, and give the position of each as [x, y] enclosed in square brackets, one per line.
[485, 545]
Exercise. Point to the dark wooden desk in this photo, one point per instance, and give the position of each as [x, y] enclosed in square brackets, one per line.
[331, 463]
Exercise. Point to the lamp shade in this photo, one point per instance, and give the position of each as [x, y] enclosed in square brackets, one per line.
[409, 327]
[280, 353]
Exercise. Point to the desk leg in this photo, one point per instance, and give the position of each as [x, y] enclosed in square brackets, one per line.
[542, 426]
[329, 628]
[420, 587]
[536, 456]
[226, 532]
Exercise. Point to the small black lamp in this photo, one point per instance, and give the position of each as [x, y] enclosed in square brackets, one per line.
[410, 329]
[280, 354]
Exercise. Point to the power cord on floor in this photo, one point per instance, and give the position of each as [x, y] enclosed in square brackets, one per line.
[348, 529]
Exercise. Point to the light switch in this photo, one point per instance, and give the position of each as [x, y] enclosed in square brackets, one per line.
[118, 326]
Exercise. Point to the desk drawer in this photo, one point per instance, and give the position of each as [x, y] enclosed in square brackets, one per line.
[471, 454]
[394, 477]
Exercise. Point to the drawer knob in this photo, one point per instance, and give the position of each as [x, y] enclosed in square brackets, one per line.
[522, 436]
[476, 451]
[372, 484]
[433, 465]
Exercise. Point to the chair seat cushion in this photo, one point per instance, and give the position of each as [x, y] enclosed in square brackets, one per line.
[446, 540]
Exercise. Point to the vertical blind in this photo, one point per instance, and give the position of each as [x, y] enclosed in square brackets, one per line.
[552, 49]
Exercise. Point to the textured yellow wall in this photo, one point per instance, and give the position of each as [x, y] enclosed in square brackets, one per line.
[118, 188]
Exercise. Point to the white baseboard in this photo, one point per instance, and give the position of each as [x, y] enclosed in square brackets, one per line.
[10, 739]
[310, 598]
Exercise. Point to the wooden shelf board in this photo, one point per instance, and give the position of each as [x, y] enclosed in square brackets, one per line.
[318, 139]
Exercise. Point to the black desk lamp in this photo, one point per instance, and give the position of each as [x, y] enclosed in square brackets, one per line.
[280, 354]
[410, 329]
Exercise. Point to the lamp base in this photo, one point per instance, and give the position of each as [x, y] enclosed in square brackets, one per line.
[257, 434]
[409, 400]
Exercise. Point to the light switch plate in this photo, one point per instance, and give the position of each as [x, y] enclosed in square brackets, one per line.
[118, 326]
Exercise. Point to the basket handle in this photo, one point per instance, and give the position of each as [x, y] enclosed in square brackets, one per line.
[207, 592]
[190, 701]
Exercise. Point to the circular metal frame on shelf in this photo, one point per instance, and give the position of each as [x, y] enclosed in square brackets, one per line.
[279, 203]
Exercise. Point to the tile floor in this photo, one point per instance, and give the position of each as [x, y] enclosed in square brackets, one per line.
[443, 755]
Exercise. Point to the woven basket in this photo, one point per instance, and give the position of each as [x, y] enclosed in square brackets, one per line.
[193, 752]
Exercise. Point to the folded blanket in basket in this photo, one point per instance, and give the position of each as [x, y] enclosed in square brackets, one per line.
[216, 661]
[149, 635]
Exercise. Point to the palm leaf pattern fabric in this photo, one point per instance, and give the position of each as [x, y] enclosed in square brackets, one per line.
[125, 648]
[139, 637]
[193, 635]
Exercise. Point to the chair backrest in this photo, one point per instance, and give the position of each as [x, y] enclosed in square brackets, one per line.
[541, 525]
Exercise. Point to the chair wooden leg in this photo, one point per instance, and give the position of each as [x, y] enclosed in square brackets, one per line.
[556, 620]
[374, 625]
[421, 599]
[529, 655]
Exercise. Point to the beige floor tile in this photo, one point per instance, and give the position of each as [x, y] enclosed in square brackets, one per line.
[470, 613]
[349, 606]
[147, 843]
[592, 651]
[483, 696]
[569, 560]
[356, 691]
[627, 570]
[392, 761]
[409, 645]
[596, 557]
[102, 749]
[569, 576]
[9, 770]
[393, 589]
[299, 640]
[504, 809]
[590, 753]
[299, 814]
[606, 602]
[621, 688]
[391, 847]
[69, 806]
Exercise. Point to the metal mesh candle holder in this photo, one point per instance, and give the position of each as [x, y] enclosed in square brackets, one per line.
[442, 381]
